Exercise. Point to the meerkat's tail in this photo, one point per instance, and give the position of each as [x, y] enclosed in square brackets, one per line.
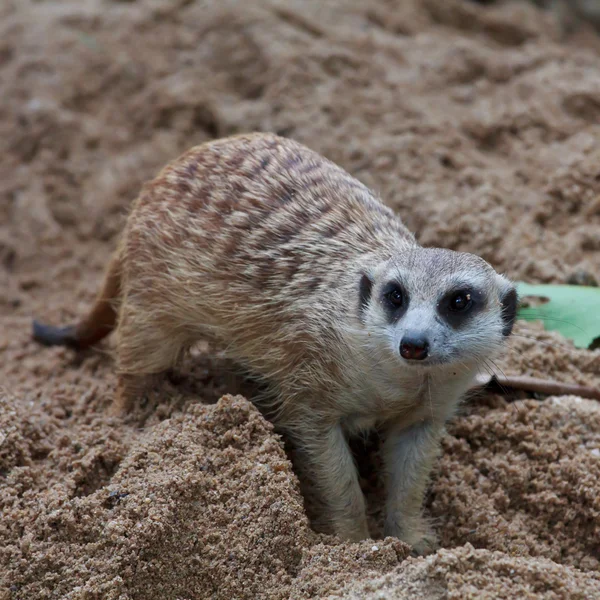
[97, 325]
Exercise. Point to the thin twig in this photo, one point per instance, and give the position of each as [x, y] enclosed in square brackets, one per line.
[547, 386]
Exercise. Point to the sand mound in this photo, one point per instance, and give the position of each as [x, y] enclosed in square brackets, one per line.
[479, 124]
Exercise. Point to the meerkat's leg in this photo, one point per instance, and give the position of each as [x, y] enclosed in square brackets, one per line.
[409, 455]
[325, 454]
[145, 348]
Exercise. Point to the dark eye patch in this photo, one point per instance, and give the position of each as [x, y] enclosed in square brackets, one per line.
[365, 289]
[394, 299]
[458, 305]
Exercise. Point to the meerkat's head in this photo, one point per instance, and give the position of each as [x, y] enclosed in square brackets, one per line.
[428, 306]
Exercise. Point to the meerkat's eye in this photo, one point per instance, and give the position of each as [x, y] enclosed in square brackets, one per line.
[460, 301]
[395, 300]
[457, 306]
[395, 296]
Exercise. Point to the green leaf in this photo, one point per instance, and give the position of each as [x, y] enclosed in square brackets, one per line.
[572, 310]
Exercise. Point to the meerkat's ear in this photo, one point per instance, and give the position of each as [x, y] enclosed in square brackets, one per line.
[365, 290]
[509, 301]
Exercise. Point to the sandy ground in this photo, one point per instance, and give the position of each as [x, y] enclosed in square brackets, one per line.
[479, 124]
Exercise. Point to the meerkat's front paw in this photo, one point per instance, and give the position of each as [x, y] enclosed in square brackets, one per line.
[417, 534]
[428, 544]
[352, 531]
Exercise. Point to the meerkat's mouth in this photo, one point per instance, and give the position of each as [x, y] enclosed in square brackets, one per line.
[430, 361]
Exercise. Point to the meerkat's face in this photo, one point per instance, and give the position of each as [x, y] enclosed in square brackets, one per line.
[430, 306]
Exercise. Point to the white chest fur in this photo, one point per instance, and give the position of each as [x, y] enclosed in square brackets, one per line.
[424, 394]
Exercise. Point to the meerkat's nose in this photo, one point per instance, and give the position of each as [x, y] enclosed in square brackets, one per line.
[414, 347]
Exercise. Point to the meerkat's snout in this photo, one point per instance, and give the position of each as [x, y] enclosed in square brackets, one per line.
[414, 346]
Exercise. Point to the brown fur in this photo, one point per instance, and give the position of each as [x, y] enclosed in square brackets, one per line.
[231, 236]
[102, 319]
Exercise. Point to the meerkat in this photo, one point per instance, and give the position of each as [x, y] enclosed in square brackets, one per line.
[309, 282]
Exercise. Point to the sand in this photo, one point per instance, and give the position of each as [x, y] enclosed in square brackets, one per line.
[478, 123]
